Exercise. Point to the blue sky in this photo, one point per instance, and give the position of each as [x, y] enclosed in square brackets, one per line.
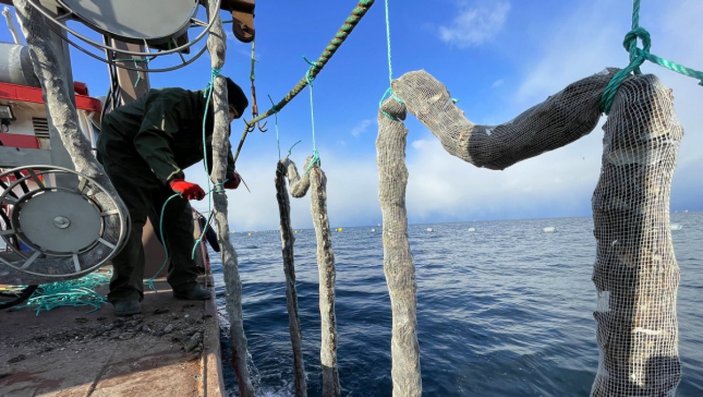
[498, 57]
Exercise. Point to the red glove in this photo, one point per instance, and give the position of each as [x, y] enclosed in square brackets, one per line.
[233, 181]
[190, 191]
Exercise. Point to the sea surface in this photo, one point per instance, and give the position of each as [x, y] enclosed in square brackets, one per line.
[504, 308]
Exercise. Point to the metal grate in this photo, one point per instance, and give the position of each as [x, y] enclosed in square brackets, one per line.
[41, 127]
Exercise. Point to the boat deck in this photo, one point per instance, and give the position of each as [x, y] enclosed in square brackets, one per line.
[172, 349]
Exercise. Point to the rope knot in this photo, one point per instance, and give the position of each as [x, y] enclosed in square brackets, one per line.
[637, 55]
[390, 94]
[213, 74]
[308, 75]
[313, 161]
[275, 108]
[219, 187]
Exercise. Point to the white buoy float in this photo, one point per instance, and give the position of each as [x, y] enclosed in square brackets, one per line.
[472, 229]
[429, 229]
[550, 229]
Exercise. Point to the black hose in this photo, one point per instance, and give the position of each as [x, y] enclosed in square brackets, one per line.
[18, 298]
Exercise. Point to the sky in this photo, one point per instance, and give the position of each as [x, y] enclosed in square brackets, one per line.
[497, 57]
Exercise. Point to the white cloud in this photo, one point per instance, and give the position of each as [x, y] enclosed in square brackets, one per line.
[574, 47]
[599, 37]
[558, 183]
[475, 25]
[561, 181]
[361, 127]
[352, 196]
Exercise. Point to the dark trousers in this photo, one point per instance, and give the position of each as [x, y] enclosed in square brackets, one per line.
[144, 197]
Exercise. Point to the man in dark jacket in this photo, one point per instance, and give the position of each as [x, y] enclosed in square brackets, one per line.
[144, 147]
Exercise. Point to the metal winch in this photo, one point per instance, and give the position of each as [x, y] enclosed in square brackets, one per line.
[55, 224]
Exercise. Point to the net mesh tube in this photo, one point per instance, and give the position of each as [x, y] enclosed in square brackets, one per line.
[316, 180]
[61, 109]
[230, 265]
[287, 251]
[398, 263]
[561, 119]
[327, 276]
[636, 274]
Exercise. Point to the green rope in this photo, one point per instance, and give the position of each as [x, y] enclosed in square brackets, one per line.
[309, 78]
[290, 150]
[150, 282]
[135, 60]
[219, 187]
[315, 160]
[199, 240]
[349, 24]
[69, 293]
[139, 74]
[637, 57]
[278, 141]
[388, 44]
[210, 87]
[389, 92]
[623, 74]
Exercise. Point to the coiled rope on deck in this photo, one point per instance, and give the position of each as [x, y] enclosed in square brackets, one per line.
[72, 293]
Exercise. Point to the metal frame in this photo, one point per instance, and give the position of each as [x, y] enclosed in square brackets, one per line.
[19, 263]
[147, 55]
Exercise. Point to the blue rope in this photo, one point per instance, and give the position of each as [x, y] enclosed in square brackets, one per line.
[150, 282]
[219, 187]
[139, 73]
[389, 92]
[388, 44]
[208, 95]
[309, 78]
[290, 150]
[275, 117]
[199, 240]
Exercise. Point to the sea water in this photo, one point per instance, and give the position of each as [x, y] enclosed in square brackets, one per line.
[504, 308]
